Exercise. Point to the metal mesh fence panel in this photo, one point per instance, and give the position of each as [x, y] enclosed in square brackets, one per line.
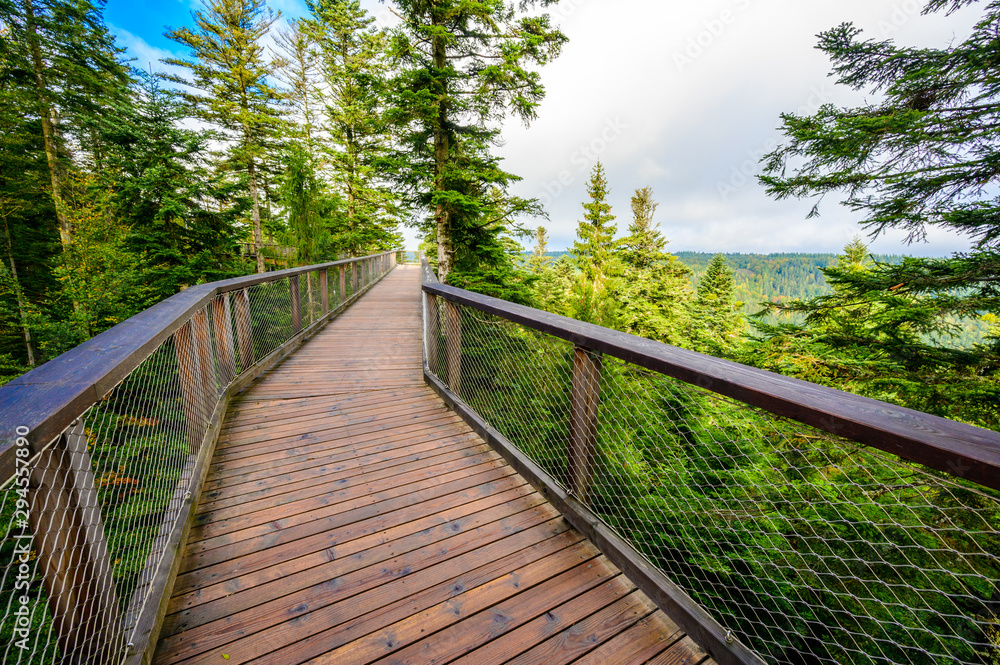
[810, 547]
[87, 519]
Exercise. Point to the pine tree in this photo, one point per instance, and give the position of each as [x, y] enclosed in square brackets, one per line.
[644, 244]
[538, 261]
[465, 65]
[304, 202]
[182, 217]
[299, 70]
[594, 246]
[889, 344]
[653, 287]
[70, 73]
[230, 88]
[716, 321]
[352, 58]
[923, 156]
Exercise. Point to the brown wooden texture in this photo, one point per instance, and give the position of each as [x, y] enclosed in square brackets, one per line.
[72, 552]
[349, 516]
[324, 291]
[342, 294]
[225, 347]
[584, 402]
[431, 331]
[244, 333]
[50, 397]
[207, 381]
[293, 286]
[453, 346]
[192, 388]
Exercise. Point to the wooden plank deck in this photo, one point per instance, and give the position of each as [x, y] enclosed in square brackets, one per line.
[350, 517]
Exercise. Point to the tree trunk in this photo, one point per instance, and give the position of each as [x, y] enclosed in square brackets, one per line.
[258, 240]
[20, 301]
[48, 131]
[446, 250]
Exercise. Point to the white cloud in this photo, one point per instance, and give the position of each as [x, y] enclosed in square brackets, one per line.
[693, 127]
[147, 57]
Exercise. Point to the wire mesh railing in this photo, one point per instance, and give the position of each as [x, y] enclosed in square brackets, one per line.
[92, 511]
[807, 544]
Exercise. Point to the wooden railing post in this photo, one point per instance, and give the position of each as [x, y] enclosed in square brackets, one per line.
[310, 299]
[343, 283]
[324, 290]
[69, 540]
[453, 346]
[222, 322]
[244, 331]
[293, 285]
[582, 452]
[189, 364]
[431, 331]
[354, 278]
[206, 363]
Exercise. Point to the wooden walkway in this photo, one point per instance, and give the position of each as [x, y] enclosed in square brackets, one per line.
[349, 517]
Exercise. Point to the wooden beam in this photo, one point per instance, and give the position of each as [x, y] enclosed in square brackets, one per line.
[244, 329]
[192, 388]
[206, 365]
[293, 285]
[324, 291]
[69, 540]
[582, 451]
[222, 323]
[343, 284]
[453, 346]
[432, 331]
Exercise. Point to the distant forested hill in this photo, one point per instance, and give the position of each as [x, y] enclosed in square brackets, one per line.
[773, 277]
[768, 277]
[783, 277]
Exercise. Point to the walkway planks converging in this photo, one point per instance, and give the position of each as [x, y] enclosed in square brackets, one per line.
[349, 517]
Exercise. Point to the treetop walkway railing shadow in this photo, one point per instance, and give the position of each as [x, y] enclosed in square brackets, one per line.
[808, 524]
[104, 447]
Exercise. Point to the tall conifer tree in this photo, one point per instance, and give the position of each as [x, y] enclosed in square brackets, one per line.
[594, 245]
[465, 65]
[230, 86]
[354, 67]
[924, 156]
[72, 73]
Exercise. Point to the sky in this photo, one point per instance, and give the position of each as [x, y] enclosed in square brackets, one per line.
[683, 97]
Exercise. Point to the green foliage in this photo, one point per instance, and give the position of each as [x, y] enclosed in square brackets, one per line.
[463, 66]
[230, 87]
[183, 216]
[353, 63]
[717, 326]
[644, 244]
[98, 274]
[921, 157]
[304, 202]
[885, 342]
[594, 245]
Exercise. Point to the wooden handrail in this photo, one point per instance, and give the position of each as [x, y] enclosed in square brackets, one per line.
[955, 448]
[49, 398]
